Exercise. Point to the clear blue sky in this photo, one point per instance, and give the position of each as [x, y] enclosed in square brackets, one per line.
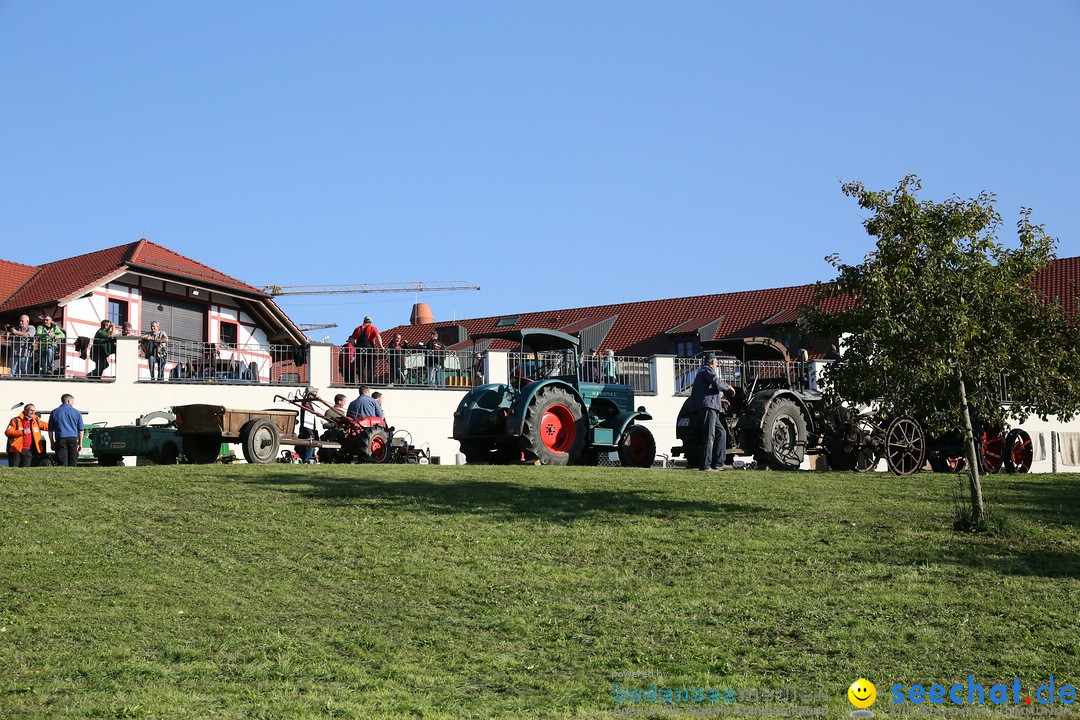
[557, 154]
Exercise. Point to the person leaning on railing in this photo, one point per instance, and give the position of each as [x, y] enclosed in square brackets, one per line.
[49, 335]
[156, 349]
[104, 346]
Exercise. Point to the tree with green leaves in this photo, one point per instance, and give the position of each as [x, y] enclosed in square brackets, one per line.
[940, 314]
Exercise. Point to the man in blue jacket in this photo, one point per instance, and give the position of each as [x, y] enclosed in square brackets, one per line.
[707, 409]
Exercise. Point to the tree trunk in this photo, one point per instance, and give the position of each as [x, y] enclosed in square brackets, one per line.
[972, 457]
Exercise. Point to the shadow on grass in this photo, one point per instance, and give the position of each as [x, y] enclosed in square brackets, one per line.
[1053, 502]
[496, 497]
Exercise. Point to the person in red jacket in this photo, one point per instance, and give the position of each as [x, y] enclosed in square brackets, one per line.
[366, 338]
[25, 442]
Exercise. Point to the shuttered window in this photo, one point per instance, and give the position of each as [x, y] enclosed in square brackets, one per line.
[184, 322]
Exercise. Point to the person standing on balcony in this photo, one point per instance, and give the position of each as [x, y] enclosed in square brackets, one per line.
[707, 410]
[435, 355]
[104, 346]
[395, 355]
[25, 444]
[366, 338]
[607, 367]
[49, 335]
[22, 346]
[66, 429]
[155, 348]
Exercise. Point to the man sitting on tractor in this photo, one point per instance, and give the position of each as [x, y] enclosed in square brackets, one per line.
[365, 405]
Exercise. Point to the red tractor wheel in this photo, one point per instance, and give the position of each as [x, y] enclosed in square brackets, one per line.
[991, 446]
[637, 447]
[1018, 451]
[554, 428]
[374, 445]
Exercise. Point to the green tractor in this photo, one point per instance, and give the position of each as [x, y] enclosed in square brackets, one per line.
[546, 413]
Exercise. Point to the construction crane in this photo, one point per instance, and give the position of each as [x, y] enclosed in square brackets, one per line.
[410, 287]
[304, 327]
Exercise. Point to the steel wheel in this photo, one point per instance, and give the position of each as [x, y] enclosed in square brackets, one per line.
[905, 445]
[991, 448]
[1019, 453]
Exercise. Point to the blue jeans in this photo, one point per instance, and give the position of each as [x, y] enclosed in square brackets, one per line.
[435, 376]
[46, 358]
[713, 439]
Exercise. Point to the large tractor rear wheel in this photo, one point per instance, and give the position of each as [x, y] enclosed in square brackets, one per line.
[782, 441]
[1018, 451]
[374, 445]
[554, 428]
[637, 447]
[991, 447]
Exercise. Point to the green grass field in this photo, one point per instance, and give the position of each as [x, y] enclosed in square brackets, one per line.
[293, 591]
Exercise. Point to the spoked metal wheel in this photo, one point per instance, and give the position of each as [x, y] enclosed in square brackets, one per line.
[1018, 451]
[991, 448]
[905, 445]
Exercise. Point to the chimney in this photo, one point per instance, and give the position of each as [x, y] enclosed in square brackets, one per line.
[421, 314]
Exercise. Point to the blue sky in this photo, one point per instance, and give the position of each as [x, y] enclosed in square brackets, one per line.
[557, 154]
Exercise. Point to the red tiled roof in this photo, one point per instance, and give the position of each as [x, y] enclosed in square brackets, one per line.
[643, 328]
[71, 277]
[13, 276]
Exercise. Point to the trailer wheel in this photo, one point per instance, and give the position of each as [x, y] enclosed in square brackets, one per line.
[1018, 451]
[554, 428]
[169, 454]
[374, 445]
[782, 440]
[260, 440]
[905, 445]
[637, 447]
[202, 449]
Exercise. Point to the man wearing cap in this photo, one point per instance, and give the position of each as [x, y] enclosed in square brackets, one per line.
[707, 409]
[365, 339]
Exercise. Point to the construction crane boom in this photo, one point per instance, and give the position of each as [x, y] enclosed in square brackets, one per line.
[305, 327]
[410, 287]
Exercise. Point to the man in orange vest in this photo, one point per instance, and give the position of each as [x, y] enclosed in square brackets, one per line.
[25, 444]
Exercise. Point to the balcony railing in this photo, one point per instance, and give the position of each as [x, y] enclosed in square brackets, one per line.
[633, 371]
[409, 367]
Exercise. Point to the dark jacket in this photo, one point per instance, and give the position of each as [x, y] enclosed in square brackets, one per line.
[708, 390]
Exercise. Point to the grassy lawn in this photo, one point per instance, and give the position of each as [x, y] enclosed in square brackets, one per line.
[293, 591]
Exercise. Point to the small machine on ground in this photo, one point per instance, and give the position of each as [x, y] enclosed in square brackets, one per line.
[158, 444]
[547, 414]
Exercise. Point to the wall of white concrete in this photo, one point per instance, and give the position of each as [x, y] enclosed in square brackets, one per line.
[427, 414]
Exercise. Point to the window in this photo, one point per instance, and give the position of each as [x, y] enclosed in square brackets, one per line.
[508, 321]
[686, 348]
[118, 312]
[228, 336]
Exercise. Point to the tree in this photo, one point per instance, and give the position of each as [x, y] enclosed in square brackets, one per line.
[941, 313]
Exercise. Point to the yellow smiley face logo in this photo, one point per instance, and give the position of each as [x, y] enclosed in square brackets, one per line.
[862, 693]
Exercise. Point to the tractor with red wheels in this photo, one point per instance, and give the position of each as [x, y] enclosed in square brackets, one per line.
[546, 413]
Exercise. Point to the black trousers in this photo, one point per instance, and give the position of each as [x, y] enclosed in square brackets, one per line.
[67, 451]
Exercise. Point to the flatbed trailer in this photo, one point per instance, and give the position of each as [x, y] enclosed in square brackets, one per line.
[260, 433]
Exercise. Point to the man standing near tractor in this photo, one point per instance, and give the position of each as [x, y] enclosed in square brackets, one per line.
[707, 408]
